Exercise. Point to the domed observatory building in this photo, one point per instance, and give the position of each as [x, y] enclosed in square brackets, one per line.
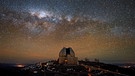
[67, 56]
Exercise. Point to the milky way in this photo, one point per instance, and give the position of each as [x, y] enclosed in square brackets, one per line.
[33, 30]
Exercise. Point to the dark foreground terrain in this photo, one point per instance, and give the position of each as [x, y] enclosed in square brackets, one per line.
[83, 69]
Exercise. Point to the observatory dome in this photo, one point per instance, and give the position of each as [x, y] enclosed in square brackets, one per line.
[66, 51]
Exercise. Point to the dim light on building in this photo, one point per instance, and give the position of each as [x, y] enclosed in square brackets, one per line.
[67, 56]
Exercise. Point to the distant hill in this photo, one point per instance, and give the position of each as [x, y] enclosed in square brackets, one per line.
[4, 65]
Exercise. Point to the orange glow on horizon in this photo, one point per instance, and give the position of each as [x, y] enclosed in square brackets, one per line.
[20, 65]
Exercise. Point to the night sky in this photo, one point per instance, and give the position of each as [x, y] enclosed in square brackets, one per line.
[36, 30]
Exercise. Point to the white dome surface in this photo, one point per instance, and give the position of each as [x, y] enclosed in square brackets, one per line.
[66, 51]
